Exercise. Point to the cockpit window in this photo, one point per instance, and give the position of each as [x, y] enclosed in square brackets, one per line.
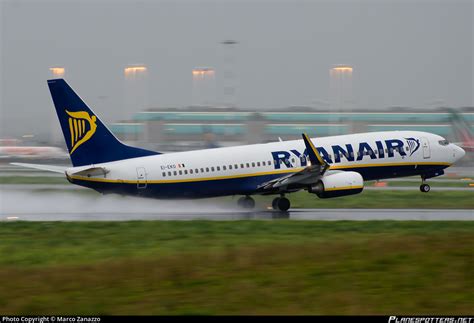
[443, 142]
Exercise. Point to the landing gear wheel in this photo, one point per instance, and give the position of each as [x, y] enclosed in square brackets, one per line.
[275, 203]
[425, 188]
[246, 202]
[283, 204]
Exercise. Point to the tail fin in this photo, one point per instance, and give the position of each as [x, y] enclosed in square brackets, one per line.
[87, 138]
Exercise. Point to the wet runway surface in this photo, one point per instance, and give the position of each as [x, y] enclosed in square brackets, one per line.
[295, 214]
[18, 203]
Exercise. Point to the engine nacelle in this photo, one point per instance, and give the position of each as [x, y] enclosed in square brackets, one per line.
[338, 184]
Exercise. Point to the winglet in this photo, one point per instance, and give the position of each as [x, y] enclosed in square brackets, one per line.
[313, 153]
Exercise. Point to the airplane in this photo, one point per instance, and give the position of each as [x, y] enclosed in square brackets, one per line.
[327, 167]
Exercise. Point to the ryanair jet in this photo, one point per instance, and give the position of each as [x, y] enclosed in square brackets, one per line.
[327, 167]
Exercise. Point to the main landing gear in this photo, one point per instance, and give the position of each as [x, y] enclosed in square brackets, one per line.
[246, 202]
[281, 204]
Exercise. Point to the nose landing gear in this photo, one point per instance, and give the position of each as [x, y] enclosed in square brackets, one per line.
[425, 188]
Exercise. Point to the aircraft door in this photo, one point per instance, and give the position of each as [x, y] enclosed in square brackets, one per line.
[426, 148]
[141, 177]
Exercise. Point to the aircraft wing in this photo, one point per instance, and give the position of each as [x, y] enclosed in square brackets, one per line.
[49, 168]
[307, 176]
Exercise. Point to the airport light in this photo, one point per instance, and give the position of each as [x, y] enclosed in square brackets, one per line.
[342, 68]
[134, 70]
[204, 86]
[203, 72]
[57, 71]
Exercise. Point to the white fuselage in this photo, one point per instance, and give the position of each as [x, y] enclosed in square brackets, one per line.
[241, 169]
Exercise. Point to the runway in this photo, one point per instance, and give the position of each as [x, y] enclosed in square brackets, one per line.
[20, 204]
[293, 214]
[296, 214]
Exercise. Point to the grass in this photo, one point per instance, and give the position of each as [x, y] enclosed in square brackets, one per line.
[239, 267]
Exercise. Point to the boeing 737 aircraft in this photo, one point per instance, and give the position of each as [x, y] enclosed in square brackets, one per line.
[327, 167]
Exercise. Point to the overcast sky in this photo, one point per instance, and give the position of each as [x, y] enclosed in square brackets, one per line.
[404, 53]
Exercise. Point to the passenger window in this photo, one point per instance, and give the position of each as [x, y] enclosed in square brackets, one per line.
[218, 168]
[258, 164]
[202, 170]
[169, 173]
[269, 163]
[185, 172]
[253, 164]
[175, 173]
[180, 172]
[230, 166]
[263, 163]
[190, 171]
[293, 160]
[248, 165]
[352, 154]
[163, 174]
[207, 169]
[224, 168]
[241, 165]
[196, 171]
[212, 169]
[236, 166]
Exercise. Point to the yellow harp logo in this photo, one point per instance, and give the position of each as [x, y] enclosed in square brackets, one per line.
[81, 127]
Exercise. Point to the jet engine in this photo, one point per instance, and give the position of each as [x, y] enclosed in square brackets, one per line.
[338, 184]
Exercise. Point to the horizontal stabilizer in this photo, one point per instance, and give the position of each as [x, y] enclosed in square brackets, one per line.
[92, 171]
[49, 168]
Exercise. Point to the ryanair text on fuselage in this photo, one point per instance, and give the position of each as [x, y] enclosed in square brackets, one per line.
[385, 149]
